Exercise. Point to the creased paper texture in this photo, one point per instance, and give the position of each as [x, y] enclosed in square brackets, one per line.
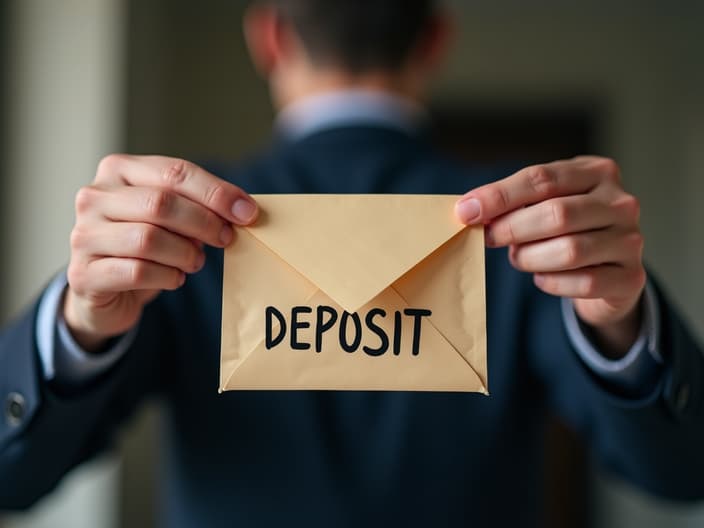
[355, 292]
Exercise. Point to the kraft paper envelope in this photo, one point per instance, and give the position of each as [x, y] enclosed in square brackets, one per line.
[355, 292]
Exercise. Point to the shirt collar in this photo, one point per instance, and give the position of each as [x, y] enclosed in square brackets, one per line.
[349, 107]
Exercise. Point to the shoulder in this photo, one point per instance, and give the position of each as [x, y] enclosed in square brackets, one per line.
[415, 161]
[249, 172]
[455, 174]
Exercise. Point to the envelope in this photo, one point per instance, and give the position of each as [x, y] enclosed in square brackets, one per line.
[355, 292]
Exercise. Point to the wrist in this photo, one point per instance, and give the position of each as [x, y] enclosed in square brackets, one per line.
[615, 338]
[86, 337]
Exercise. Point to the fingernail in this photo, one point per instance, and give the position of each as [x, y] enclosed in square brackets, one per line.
[226, 235]
[244, 211]
[538, 279]
[468, 210]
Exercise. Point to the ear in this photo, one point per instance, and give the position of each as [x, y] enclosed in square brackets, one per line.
[261, 33]
[435, 42]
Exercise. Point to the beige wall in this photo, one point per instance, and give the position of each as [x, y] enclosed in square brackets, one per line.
[64, 94]
[192, 91]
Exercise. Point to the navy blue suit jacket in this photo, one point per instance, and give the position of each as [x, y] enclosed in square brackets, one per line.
[323, 459]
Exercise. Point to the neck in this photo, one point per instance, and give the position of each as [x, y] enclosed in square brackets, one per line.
[290, 88]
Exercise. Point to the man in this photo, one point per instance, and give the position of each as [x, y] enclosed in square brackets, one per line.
[574, 324]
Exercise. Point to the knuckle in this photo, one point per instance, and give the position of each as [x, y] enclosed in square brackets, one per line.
[560, 215]
[75, 275]
[641, 278]
[572, 251]
[502, 232]
[590, 285]
[110, 164]
[636, 243]
[638, 277]
[542, 180]
[497, 197]
[631, 207]
[137, 272]
[146, 240]
[610, 169]
[85, 199]
[158, 203]
[79, 238]
[213, 195]
[176, 173]
[510, 233]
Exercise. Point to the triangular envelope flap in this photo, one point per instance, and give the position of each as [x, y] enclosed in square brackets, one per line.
[354, 246]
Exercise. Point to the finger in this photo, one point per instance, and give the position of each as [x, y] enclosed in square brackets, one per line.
[139, 240]
[182, 177]
[129, 274]
[571, 252]
[606, 281]
[145, 296]
[551, 218]
[160, 207]
[532, 185]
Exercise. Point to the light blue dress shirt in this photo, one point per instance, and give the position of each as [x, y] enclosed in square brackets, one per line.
[62, 358]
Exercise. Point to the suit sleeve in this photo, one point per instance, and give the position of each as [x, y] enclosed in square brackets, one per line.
[61, 357]
[654, 440]
[637, 371]
[46, 429]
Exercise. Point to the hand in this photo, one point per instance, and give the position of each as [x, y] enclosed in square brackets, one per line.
[140, 228]
[572, 225]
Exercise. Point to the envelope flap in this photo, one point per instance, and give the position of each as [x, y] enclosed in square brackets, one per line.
[354, 246]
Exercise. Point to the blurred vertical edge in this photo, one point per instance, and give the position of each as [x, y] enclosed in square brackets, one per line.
[4, 51]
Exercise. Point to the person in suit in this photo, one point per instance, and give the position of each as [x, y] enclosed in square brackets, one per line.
[575, 325]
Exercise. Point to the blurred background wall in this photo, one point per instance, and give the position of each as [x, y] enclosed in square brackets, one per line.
[63, 108]
[85, 77]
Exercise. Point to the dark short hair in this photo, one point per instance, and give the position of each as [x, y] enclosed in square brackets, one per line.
[358, 35]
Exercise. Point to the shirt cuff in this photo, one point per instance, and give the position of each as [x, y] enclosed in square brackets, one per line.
[61, 358]
[640, 368]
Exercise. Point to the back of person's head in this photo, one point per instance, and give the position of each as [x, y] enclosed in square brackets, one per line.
[358, 35]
